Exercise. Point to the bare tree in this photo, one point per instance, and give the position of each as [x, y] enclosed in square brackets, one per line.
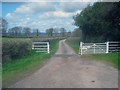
[27, 31]
[36, 32]
[55, 31]
[62, 32]
[4, 26]
[15, 31]
[49, 32]
[11, 32]
[0, 26]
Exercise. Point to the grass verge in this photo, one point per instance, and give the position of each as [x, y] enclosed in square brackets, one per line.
[74, 46]
[14, 69]
[111, 58]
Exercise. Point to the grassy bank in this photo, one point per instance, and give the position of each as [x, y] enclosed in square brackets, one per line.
[14, 69]
[74, 43]
[110, 58]
[74, 46]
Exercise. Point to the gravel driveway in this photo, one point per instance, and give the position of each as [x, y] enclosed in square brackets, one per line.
[66, 69]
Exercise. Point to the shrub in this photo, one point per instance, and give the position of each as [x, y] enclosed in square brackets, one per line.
[15, 48]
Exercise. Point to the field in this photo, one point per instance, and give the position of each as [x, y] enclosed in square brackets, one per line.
[110, 58]
[17, 68]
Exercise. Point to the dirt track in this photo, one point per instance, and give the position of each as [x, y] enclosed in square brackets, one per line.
[67, 70]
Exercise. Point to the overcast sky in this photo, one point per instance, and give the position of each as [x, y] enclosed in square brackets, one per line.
[42, 15]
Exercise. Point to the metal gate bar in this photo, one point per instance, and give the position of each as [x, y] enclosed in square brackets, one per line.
[41, 46]
[97, 48]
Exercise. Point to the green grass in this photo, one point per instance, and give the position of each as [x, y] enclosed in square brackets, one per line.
[12, 69]
[74, 46]
[74, 42]
[16, 38]
[111, 58]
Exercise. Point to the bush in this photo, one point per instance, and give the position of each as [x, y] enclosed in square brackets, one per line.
[15, 48]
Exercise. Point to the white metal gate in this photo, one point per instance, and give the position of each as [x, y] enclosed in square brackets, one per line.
[93, 48]
[98, 48]
[114, 46]
[41, 46]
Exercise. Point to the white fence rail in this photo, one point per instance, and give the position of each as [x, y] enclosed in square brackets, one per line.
[41, 46]
[98, 48]
[114, 46]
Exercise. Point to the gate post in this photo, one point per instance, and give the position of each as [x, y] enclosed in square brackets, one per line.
[94, 48]
[48, 48]
[81, 48]
[107, 47]
[32, 45]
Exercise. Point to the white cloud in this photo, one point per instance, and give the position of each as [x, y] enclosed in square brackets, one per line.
[34, 8]
[73, 6]
[41, 7]
[45, 15]
[11, 17]
[28, 19]
[8, 15]
[62, 14]
[58, 14]
[15, 20]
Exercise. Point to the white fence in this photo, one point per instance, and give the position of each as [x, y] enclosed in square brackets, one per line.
[41, 46]
[114, 46]
[98, 48]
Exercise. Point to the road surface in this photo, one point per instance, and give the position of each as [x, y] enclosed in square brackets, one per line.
[66, 69]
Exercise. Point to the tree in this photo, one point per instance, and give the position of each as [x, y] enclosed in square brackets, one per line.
[49, 32]
[36, 32]
[27, 31]
[4, 26]
[62, 30]
[15, 31]
[55, 30]
[0, 26]
[99, 22]
[11, 32]
[77, 33]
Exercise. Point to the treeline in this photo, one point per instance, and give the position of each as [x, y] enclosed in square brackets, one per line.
[19, 31]
[58, 32]
[99, 22]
